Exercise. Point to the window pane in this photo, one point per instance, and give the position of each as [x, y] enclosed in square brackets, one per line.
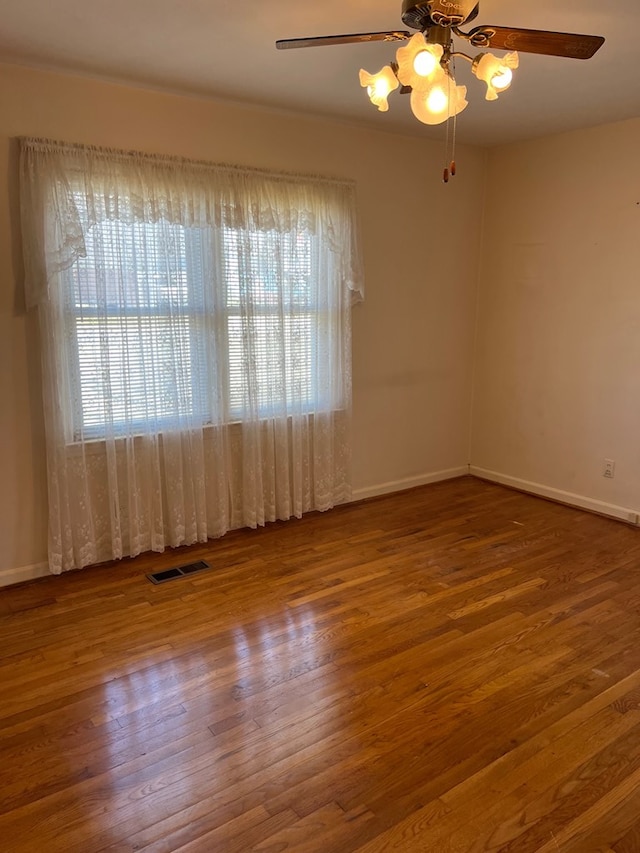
[129, 372]
[270, 360]
[129, 266]
[268, 268]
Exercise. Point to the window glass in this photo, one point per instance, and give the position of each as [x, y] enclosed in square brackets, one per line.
[157, 332]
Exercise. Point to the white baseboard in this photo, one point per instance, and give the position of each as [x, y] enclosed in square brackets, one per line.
[408, 483]
[38, 570]
[631, 516]
[23, 573]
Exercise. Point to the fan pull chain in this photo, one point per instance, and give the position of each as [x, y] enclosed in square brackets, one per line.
[450, 152]
[445, 173]
[452, 165]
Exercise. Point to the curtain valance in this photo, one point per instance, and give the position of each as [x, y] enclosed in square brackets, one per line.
[136, 187]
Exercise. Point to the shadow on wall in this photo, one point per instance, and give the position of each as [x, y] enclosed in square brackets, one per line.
[23, 496]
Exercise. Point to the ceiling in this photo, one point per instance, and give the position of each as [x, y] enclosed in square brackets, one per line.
[225, 48]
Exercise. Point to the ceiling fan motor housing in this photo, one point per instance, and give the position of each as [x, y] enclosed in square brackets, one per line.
[444, 13]
[415, 15]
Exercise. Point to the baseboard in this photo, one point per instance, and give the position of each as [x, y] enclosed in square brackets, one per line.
[408, 483]
[23, 573]
[39, 570]
[631, 516]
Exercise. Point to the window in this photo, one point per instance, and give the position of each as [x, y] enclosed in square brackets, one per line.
[152, 340]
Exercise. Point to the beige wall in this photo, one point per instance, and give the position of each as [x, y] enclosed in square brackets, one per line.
[557, 365]
[412, 337]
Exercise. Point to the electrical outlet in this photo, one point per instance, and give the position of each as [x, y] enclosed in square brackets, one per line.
[609, 469]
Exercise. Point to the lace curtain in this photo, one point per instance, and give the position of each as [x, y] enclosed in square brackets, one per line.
[196, 351]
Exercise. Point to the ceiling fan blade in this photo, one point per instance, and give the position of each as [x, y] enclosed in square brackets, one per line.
[353, 38]
[571, 45]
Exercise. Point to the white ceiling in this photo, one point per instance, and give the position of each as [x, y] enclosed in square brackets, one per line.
[225, 48]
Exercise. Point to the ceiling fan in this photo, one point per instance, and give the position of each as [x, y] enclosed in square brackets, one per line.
[424, 68]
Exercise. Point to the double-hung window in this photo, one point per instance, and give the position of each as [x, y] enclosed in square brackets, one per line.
[167, 324]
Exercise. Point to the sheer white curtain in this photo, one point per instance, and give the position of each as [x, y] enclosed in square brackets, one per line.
[195, 324]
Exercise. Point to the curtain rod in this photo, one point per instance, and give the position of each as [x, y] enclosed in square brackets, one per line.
[55, 146]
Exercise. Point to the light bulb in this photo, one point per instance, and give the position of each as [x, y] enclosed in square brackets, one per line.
[502, 80]
[424, 63]
[379, 86]
[437, 100]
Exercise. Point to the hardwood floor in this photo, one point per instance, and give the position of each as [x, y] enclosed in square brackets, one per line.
[453, 668]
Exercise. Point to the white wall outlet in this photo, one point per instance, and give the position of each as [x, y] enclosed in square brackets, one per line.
[609, 469]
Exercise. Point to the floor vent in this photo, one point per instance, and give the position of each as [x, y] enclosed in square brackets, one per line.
[178, 572]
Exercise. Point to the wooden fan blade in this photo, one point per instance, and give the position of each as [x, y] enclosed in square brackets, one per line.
[320, 41]
[571, 45]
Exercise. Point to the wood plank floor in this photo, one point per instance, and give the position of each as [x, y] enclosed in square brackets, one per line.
[453, 668]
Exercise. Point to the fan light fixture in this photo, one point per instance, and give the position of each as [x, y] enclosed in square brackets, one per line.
[379, 86]
[425, 70]
[496, 73]
[425, 65]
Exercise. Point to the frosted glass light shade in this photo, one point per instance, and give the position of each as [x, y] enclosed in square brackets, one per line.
[437, 102]
[495, 72]
[418, 62]
[379, 86]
